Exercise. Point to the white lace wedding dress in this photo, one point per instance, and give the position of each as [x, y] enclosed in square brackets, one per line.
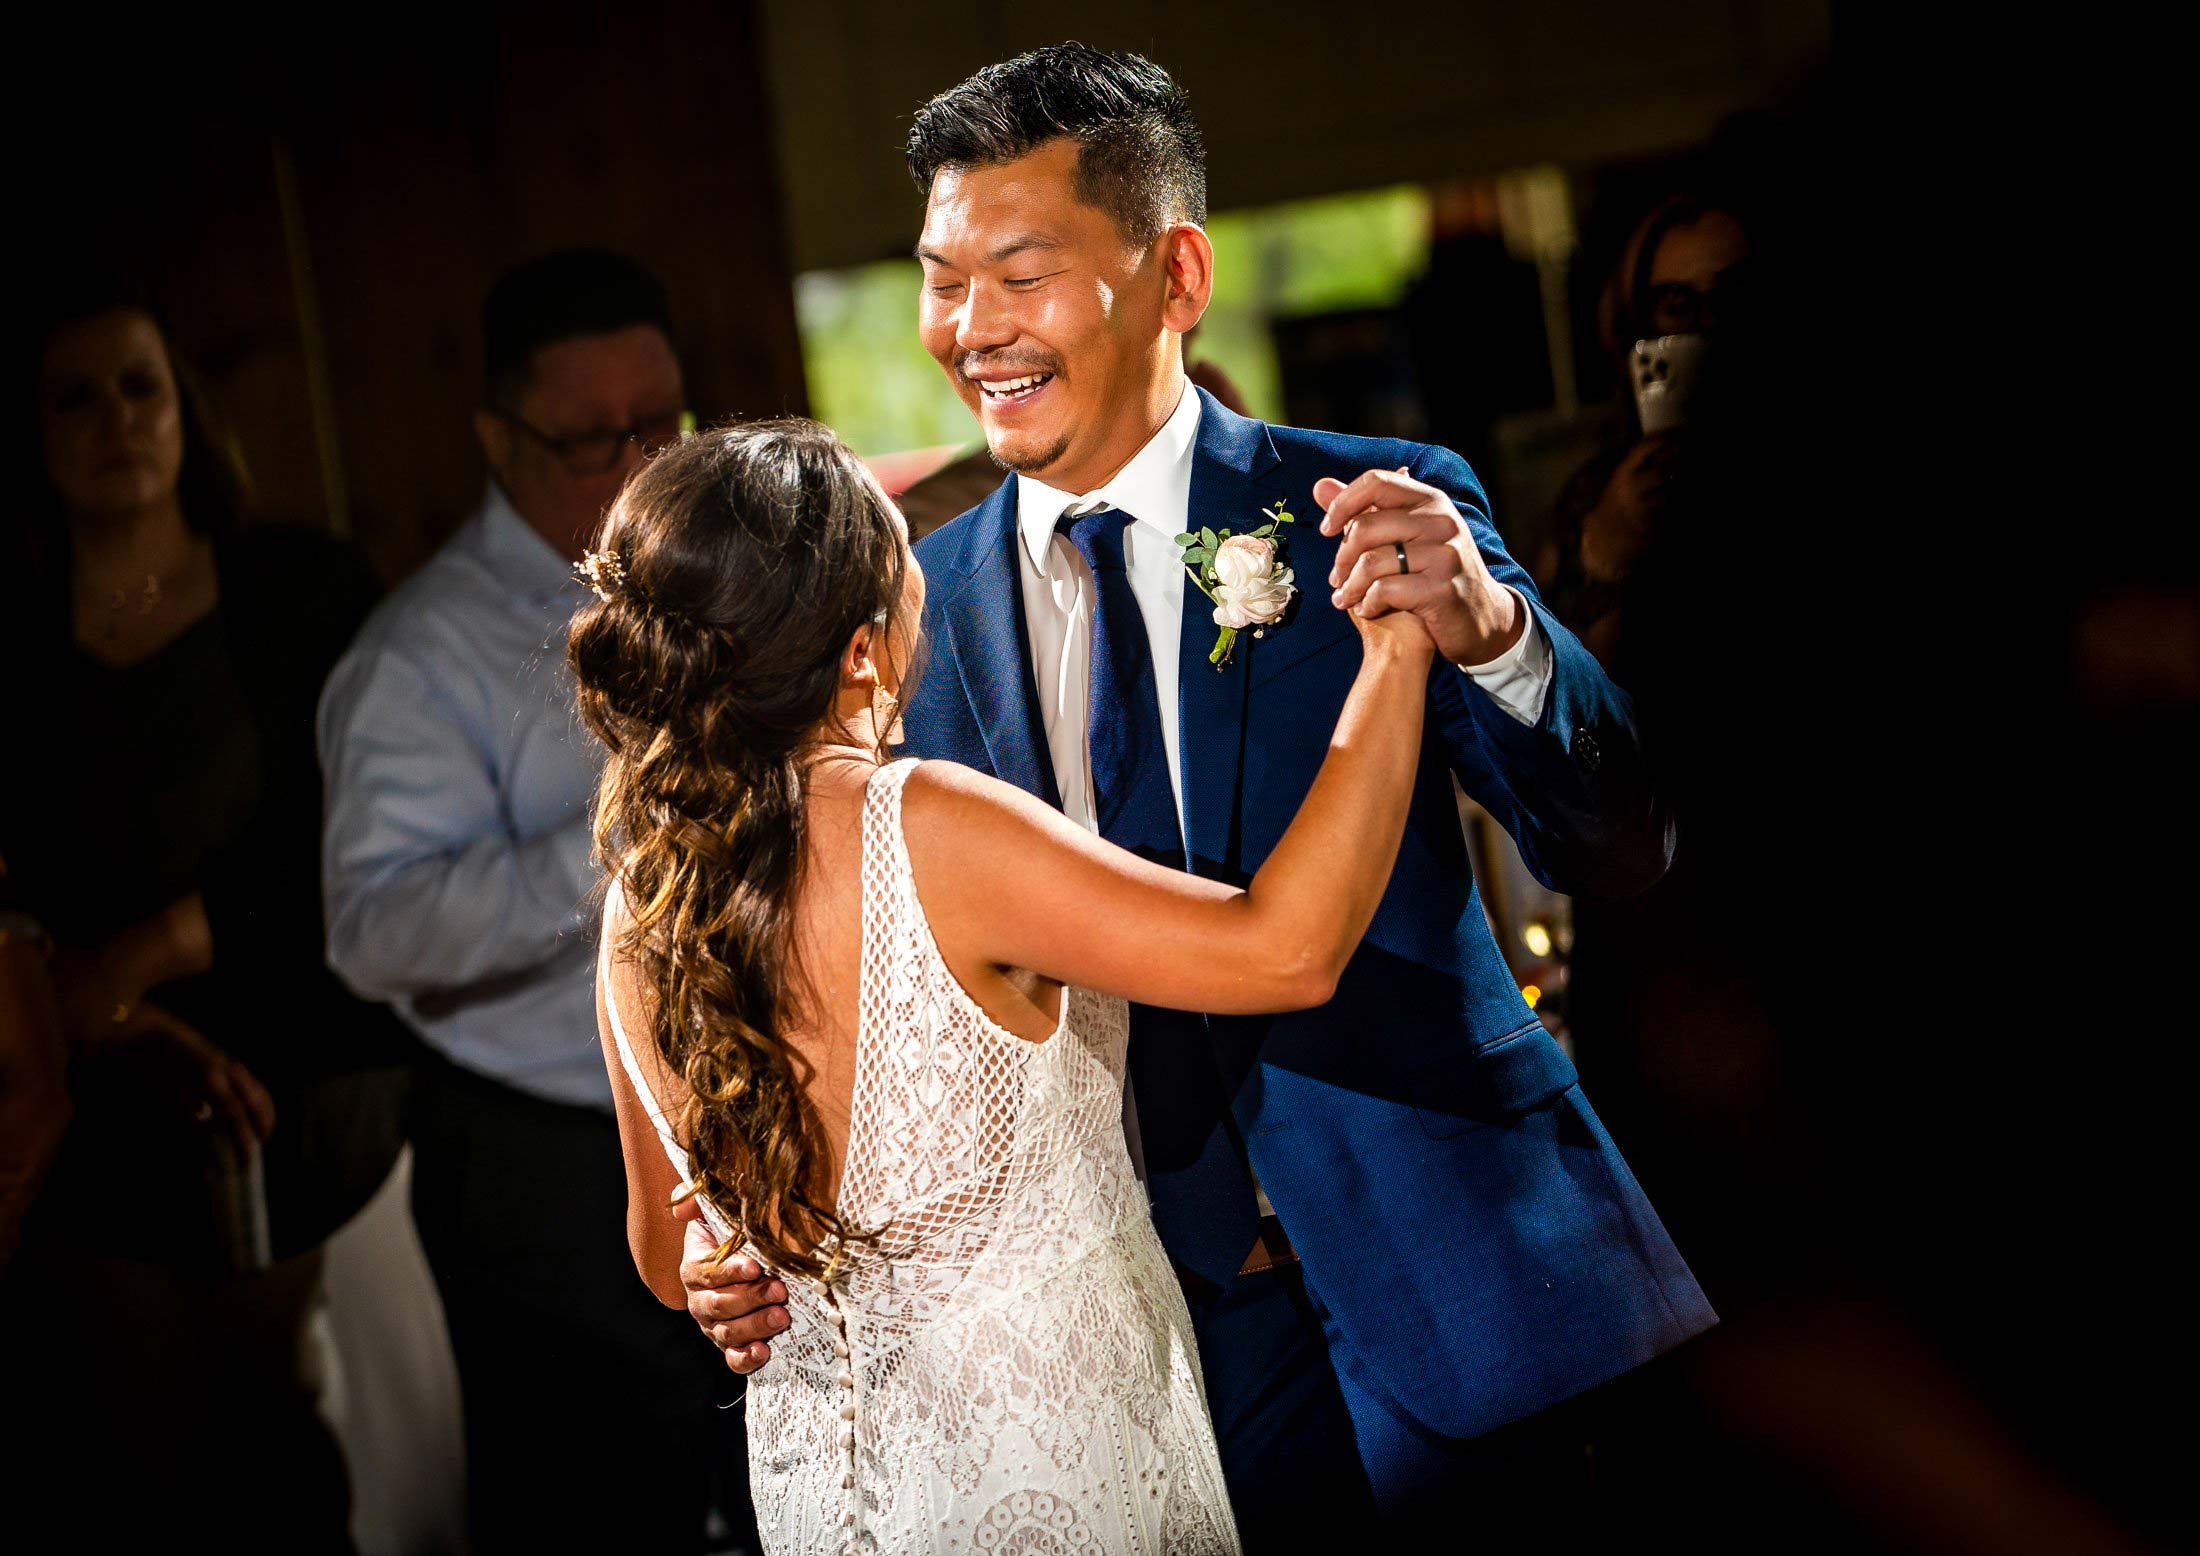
[1012, 1368]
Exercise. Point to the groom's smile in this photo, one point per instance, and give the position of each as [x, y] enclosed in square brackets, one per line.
[1011, 393]
[1008, 389]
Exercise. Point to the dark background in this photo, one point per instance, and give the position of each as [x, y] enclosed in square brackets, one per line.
[1980, 936]
[320, 199]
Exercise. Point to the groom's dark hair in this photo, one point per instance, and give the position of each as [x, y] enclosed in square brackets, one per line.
[1139, 155]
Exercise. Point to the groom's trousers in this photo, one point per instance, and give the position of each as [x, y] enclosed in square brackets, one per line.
[1312, 1449]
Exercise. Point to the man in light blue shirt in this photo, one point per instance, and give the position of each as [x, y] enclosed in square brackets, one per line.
[459, 887]
[457, 867]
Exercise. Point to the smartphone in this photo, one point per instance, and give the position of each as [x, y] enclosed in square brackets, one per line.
[1667, 371]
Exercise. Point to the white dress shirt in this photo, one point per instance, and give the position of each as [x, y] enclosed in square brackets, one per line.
[1155, 488]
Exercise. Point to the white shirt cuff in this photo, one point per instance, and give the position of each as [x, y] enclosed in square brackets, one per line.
[1519, 679]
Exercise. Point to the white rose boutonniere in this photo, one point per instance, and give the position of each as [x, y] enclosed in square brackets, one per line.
[1244, 575]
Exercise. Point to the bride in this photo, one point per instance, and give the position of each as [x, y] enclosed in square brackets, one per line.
[872, 1015]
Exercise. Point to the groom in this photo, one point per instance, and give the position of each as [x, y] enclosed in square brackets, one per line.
[1398, 1222]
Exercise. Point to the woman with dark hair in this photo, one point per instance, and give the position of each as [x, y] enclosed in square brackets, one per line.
[874, 1013]
[232, 1105]
[1684, 271]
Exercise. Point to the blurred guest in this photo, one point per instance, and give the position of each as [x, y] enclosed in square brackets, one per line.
[1831, 1141]
[1684, 272]
[34, 1057]
[232, 1105]
[458, 888]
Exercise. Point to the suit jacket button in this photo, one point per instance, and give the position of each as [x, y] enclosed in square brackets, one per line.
[1586, 750]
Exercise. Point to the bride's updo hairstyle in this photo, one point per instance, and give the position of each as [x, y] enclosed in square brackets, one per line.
[730, 576]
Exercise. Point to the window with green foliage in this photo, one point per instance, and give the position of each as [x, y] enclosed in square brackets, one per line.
[871, 380]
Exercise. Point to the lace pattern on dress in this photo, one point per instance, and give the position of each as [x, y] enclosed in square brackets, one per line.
[1011, 1368]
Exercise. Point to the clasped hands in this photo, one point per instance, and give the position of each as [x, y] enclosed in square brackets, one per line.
[1469, 615]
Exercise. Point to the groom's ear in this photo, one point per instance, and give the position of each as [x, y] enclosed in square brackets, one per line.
[1188, 263]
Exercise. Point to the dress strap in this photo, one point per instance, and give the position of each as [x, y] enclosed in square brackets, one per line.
[612, 900]
[889, 884]
[883, 787]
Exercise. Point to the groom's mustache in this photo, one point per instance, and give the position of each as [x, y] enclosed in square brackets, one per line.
[971, 367]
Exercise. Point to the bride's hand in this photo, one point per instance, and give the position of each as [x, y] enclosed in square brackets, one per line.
[1397, 630]
[1384, 629]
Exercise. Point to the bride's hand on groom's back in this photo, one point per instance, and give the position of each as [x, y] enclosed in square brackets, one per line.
[736, 1304]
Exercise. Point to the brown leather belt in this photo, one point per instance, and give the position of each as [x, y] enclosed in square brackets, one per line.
[1270, 1248]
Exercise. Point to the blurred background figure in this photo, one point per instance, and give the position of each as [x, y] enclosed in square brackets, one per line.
[460, 888]
[1671, 1036]
[34, 1065]
[1684, 272]
[1767, 1028]
[232, 1105]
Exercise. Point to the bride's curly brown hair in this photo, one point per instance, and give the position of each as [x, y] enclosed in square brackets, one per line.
[736, 567]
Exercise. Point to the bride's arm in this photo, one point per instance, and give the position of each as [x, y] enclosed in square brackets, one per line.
[653, 1235]
[1007, 882]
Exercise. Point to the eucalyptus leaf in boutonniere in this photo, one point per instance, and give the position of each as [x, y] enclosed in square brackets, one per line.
[1244, 575]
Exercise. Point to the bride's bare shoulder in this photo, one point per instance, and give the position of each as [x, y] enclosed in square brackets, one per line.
[943, 795]
[978, 823]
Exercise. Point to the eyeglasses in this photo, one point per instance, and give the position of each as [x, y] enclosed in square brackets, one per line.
[596, 452]
[1677, 308]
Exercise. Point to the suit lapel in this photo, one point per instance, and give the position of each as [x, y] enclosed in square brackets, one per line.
[1231, 454]
[984, 624]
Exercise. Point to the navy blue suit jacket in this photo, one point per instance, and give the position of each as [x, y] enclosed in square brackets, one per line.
[1456, 1203]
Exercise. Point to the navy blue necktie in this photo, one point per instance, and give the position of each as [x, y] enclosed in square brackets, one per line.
[1202, 1191]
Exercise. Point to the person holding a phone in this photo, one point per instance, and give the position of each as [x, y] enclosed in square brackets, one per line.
[1676, 290]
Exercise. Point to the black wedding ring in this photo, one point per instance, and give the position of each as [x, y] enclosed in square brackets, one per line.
[1403, 565]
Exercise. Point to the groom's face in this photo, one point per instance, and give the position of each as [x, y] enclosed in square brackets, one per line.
[1047, 319]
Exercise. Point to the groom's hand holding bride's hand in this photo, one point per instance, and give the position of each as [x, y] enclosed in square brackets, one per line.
[736, 1304]
[1470, 616]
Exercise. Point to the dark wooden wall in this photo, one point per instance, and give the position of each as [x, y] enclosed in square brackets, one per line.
[319, 214]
